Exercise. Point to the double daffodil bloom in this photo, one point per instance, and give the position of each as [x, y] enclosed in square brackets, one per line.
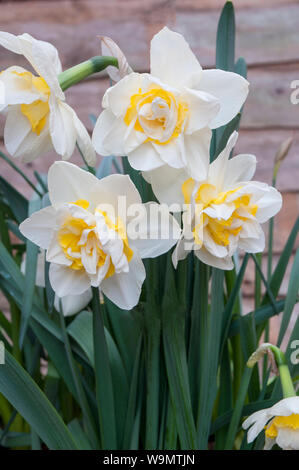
[70, 304]
[280, 422]
[166, 117]
[38, 118]
[86, 235]
[223, 212]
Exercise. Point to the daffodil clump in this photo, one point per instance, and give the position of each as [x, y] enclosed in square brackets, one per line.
[124, 275]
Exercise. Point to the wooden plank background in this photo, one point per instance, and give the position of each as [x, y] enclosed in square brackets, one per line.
[267, 37]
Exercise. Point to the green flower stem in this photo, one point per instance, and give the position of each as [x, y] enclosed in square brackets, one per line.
[284, 373]
[281, 362]
[79, 72]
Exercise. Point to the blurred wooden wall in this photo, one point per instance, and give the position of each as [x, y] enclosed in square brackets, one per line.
[267, 37]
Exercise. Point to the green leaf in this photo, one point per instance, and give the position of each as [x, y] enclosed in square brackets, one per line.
[18, 170]
[22, 392]
[291, 298]
[30, 276]
[15, 200]
[232, 126]
[261, 315]
[208, 383]
[225, 44]
[104, 386]
[176, 363]
[241, 67]
[79, 435]
[279, 272]
[81, 330]
[133, 398]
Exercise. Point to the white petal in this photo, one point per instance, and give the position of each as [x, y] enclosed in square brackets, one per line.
[100, 135]
[206, 257]
[118, 97]
[158, 231]
[288, 439]
[239, 168]
[68, 183]
[84, 141]
[252, 238]
[62, 130]
[219, 211]
[197, 153]
[19, 139]
[10, 42]
[229, 88]
[72, 304]
[16, 87]
[68, 281]
[40, 270]
[173, 153]
[285, 407]
[268, 205]
[111, 136]
[180, 252]
[145, 158]
[218, 168]
[202, 109]
[55, 253]
[167, 183]
[124, 289]
[110, 48]
[115, 190]
[40, 226]
[42, 55]
[172, 60]
[269, 443]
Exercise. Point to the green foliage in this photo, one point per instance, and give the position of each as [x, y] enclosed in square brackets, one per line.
[169, 374]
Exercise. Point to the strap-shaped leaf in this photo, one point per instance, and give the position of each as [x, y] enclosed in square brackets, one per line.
[23, 393]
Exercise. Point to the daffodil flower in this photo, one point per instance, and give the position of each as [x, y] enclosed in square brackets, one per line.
[280, 422]
[71, 304]
[166, 117]
[223, 212]
[38, 118]
[86, 235]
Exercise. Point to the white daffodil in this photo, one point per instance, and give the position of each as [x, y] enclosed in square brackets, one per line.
[166, 117]
[71, 304]
[110, 48]
[280, 422]
[38, 118]
[224, 212]
[96, 232]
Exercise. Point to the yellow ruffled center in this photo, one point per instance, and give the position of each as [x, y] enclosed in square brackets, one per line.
[291, 422]
[157, 114]
[219, 229]
[36, 112]
[70, 239]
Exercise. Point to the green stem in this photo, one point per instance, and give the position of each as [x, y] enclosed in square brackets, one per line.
[284, 373]
[79, 72]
